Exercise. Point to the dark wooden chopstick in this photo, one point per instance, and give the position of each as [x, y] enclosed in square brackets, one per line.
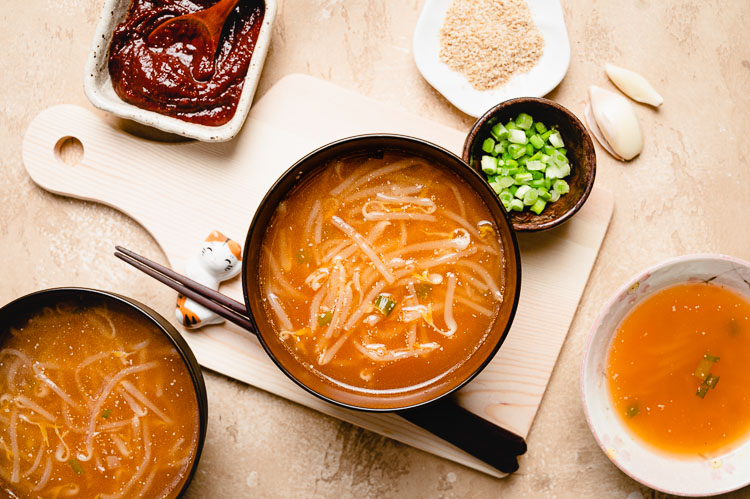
[218, 303]
[200, 288]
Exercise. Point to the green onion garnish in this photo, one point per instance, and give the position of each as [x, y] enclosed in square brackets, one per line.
[633, 410]
[385, 304]
[704, 372]
[525, 153]
[325, 318]
[76, 466]
[702, 390]
[106, 413]
[423, 290]
[301, 256]
[703, 369]
[710, 358]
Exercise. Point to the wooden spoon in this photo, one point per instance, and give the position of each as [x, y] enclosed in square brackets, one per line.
[200, 29]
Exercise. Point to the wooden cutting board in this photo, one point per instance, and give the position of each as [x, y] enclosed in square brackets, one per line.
[219, 186]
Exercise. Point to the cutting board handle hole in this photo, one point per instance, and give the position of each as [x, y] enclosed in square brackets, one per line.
[69, 150]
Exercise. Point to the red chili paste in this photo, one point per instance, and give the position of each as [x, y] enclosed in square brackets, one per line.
[161, 78]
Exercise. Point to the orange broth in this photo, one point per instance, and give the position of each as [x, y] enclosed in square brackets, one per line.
[429, 232]
[654, 376]
[96, 402]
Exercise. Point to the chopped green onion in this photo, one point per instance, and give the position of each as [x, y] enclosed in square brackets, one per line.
[633, 410]
[560, 186]
[523, 178]
[524, 121]
[522, 190]
[511, 126]
[702, 390]
[535, 165]
[530, 197]
[506, 196]
[499, 132]
[555, 139]
[106, 413]
[325, 318]
[488, 145]
[517, 137]
[538, 205]
[516, 205]
[711, 381]
[536, 141]
[539, 126]
[516, 151]
[423, 290]
[500, 148]
[76, 466]
[301, 256]
[385, 304]
[489, 165]
[705, 365]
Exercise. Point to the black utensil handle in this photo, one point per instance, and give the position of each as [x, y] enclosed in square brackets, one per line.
[482, 439]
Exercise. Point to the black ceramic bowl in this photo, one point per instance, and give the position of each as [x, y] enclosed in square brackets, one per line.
[305, 169]
[577, 141]
[20, 308]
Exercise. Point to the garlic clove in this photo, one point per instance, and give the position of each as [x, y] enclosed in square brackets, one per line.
[617, 121]
[633, 85]
[591, 122]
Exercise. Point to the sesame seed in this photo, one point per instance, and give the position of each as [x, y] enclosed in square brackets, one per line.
[488, 41]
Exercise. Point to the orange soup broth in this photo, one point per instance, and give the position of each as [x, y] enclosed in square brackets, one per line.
[349, 367]
[85, 351]
[653, 361]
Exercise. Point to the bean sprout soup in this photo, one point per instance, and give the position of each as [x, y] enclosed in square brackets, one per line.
[95, 402]
[382, 273]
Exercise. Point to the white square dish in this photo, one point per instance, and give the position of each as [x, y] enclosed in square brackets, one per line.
[98, 85]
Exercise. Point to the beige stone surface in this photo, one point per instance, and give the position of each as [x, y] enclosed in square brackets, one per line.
[688, 192]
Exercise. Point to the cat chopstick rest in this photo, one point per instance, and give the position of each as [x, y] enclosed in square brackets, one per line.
[220, 259]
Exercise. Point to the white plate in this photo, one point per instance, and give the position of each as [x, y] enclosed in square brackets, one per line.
[684, 476]
[98, 85]
[538, 82]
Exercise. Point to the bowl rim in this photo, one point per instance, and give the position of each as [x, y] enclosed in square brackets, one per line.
[99, 51]
[587, 400]
[166, 327]
[292, 171]
[588, 146]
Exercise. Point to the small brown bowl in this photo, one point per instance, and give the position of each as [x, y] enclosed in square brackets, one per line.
[580, 153]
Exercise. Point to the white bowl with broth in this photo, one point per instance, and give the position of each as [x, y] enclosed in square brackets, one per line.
[704, 300]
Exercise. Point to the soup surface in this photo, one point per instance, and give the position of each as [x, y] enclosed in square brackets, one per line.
[679, 369]
[382, 273]
[95, 402]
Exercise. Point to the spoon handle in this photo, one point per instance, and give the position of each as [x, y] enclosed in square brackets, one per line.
[482, 439]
